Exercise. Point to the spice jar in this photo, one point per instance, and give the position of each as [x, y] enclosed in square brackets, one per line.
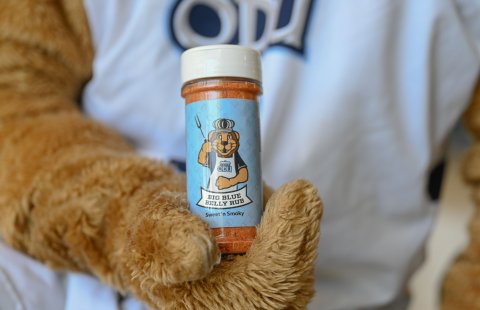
[221, 86]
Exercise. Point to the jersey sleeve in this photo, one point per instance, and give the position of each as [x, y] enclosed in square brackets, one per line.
[239, 163]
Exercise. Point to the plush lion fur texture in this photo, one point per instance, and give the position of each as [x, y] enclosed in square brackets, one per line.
[75, 196]
[461, 288]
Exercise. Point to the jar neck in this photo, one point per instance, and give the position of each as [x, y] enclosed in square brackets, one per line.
[218, 88]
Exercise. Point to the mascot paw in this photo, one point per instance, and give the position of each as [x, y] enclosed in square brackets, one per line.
[169, 245]
[223, 182]
[276, 273]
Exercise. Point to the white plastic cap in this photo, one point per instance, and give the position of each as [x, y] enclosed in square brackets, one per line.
[221, 61]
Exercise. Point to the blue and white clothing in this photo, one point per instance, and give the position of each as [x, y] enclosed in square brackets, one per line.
[359, 97]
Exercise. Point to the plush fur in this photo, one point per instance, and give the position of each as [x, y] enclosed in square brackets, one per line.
[461, 289]
[75, 196]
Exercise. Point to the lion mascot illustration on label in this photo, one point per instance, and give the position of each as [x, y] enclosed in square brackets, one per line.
[220, 154]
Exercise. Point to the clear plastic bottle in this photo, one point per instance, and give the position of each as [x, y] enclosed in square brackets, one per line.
[221, 86]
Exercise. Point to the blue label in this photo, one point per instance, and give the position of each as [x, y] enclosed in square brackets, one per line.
[223, 162]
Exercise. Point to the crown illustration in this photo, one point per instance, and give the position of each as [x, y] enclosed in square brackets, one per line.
[223, 125]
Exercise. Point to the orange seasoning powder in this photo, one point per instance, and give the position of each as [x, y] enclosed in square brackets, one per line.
[221, 86]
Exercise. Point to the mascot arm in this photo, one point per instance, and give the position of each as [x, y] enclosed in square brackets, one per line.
[75, 196]
[241, 177]
[461, 288]
[203, 154]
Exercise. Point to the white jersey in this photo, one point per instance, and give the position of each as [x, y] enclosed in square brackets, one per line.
[358, 98]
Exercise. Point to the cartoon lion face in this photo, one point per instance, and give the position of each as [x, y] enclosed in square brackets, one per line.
[225, 144]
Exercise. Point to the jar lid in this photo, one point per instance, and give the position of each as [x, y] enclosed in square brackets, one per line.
[221, 61]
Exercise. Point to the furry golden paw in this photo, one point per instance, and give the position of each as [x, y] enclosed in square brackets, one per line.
[277, 272]
[169, 245]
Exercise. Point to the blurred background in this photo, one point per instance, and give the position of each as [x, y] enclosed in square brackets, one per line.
[449, 234]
